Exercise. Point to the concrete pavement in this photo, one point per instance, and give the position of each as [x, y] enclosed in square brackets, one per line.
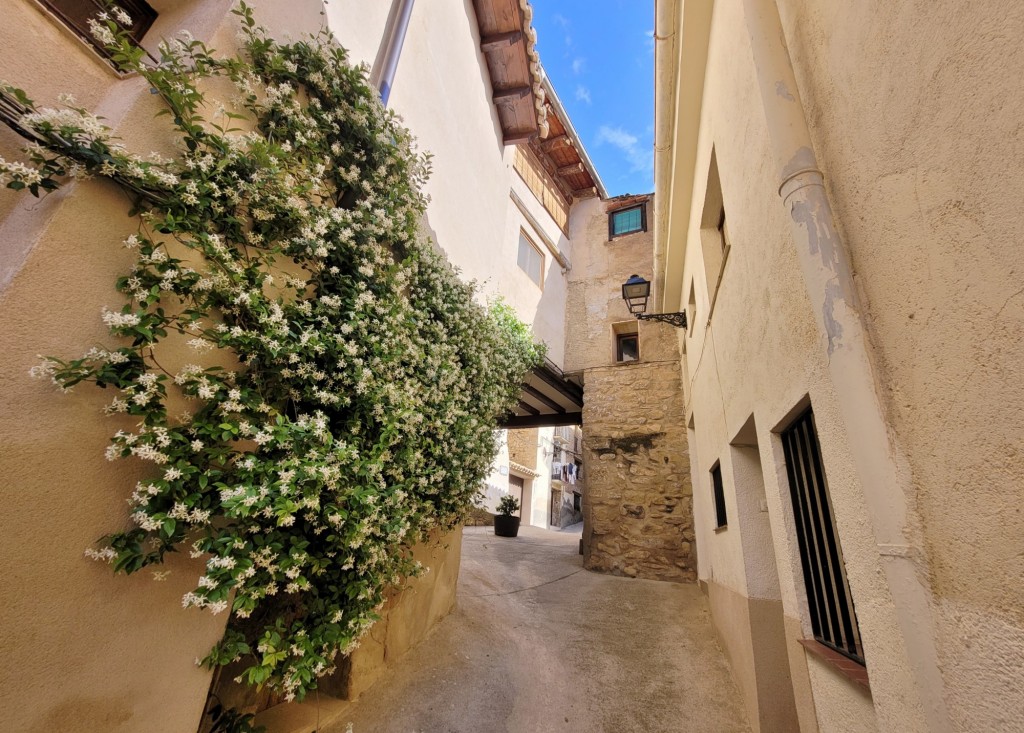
[537, 644]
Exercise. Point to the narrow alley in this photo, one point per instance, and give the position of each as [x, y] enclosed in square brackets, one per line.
[536, 643]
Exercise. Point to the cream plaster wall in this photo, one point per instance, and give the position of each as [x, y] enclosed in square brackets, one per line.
[914, 110]
[927, 192]
[759, 354]
[84, 650]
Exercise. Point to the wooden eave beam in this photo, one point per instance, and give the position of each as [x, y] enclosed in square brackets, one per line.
[500, 40]
[514, 137]
[511, 95]
[554, 143]
[549, 166]
[568, 170]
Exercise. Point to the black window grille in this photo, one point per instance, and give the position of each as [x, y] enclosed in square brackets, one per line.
[721, 519]
[828, 593]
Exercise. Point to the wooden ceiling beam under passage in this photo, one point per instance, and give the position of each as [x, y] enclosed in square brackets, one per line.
[543, 398]
[524, 407]
[513, 422]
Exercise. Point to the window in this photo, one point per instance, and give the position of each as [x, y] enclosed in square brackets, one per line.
[627, 221]
[76, 14]
[627, 347]
[828, 594]
[714, 234]
[721, 519]
[531, 259]
[691, 311]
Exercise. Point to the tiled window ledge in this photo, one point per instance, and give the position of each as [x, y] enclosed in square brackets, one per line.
[854, 672]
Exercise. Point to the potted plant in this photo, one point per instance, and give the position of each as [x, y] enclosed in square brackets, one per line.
[505, 524]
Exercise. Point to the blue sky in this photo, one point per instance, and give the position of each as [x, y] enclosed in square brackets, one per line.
[599, 55]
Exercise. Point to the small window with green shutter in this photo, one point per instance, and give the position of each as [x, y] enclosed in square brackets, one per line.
[627, 221]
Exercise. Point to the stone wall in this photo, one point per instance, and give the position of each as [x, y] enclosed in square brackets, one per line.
[408, 616]
[638, 507]
[522, 447]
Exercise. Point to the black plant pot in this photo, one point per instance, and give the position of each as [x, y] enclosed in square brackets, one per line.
[506, 525]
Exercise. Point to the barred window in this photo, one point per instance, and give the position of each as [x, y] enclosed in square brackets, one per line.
[833, 617]
[718, 489]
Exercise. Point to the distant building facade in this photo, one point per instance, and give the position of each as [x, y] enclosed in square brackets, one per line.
[638, 518]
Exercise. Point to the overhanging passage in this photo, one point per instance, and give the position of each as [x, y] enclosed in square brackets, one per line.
[547, 398]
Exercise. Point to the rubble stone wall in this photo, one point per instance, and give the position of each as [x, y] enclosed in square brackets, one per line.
[638, 507]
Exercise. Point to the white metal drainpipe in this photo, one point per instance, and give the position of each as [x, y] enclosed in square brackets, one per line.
[828, 277]
[394, 49]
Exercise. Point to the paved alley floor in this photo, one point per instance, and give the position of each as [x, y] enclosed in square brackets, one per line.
[537, 644]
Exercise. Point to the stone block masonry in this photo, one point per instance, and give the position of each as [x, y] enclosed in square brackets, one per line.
[638, 507]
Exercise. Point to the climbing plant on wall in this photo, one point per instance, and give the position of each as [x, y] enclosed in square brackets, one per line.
[342, 384]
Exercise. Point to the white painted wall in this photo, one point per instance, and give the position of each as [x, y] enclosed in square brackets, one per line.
[442, 91]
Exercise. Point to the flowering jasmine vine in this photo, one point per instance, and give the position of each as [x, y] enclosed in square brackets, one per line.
[344, 382]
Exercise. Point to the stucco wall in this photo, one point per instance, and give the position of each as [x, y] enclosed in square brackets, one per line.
[408, 617]
[913, 110]
[922, 158]
[84, 650]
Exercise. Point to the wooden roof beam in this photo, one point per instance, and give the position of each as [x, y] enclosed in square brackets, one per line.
[567, 170]
[507, 96]
[555, 143]
[500, 40]
[514, 137]
[552, 171]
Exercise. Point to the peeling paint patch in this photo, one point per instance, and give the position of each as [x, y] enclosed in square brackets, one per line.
[803, 160]
[783, 91]
[834, 329]
[822, 240]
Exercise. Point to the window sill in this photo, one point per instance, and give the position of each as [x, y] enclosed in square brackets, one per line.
[848, 668]
[721, 529]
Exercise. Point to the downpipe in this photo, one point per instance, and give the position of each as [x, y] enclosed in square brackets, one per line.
[396, 38]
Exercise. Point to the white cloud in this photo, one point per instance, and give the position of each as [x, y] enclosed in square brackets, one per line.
[582, 94]
[650, 39]
[640, 159]
[561, 20]
[578, 64]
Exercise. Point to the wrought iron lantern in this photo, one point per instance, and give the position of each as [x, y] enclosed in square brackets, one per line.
[636, 292]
